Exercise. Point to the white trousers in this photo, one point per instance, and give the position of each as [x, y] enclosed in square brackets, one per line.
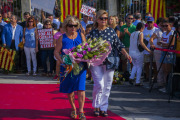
[30, 52]
[102, 85]
[161, 76]
[137, 68]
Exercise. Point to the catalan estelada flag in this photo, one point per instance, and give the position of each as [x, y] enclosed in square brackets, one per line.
[70, 7]
[6, 58]
[157, 8]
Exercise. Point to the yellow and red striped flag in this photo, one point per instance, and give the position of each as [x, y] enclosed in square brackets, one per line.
[70, 7]
[6, 58]
[157, 8]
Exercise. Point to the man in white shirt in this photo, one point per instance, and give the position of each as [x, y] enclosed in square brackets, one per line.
[148, 32]
[86, 21]
[39, 24]
[56, 18]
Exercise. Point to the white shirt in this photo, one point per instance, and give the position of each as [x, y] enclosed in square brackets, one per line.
[158, 33]
[147, 35]
[13, 31]
[57, 22]
[166, 37]
[85, 24]
[133, 49]
[39, 25]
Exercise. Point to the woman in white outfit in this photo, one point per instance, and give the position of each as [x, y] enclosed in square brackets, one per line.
[103, 74]
[137, 56]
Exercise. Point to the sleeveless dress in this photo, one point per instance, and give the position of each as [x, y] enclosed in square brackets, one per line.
[72, 82]
[30, 41]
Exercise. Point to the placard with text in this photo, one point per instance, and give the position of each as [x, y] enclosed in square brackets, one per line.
[46, 38]
[87, 10]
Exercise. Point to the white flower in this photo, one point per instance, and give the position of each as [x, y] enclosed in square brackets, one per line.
[79, 50]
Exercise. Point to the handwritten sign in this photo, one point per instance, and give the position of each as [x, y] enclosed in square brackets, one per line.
[87, 10]
[46, 38]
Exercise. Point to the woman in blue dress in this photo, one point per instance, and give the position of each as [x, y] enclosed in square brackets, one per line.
[72, 82]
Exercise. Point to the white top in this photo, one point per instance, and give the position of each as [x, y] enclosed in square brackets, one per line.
[39, 26]
[158, 33]
[85, 24]
[173, 28]
[57, 22]
[166, 37]
[13, 31]
[147, 35]
[133, 49]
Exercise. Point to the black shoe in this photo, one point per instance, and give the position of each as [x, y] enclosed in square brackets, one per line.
[131, 81]
[146, 80]
[96, 113]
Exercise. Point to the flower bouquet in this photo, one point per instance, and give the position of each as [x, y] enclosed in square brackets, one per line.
[92, 51]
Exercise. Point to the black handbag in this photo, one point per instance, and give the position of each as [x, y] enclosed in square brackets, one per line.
[113, 62]
[139, 46]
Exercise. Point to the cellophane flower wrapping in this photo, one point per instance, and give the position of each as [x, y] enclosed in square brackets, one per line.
[93, 51]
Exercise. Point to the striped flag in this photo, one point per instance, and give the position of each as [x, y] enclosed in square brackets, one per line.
[70, 7]
[157, 8]
[6, 58]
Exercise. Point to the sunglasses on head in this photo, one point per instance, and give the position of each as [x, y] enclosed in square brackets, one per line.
[164, 25]
[103, 18]
[130, 18]
[71, 26]
[149, 22]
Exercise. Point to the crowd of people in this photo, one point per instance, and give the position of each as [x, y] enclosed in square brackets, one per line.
[126, 38]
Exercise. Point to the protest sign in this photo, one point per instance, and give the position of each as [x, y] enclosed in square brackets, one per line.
[46, 5]
[46, 38]
[87, 10]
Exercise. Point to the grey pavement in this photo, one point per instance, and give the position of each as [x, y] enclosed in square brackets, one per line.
[129, 102]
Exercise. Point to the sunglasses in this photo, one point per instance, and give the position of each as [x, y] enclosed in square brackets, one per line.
[164, 25]
[71, 26]
[48, 24]
[146, 16]
[130, 18]
[103, 18]
[0, 16]
[31, 21]
[149, 22]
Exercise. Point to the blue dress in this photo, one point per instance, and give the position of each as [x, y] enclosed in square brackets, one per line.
[72, 82]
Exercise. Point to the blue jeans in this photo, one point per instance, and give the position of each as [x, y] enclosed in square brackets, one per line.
[45, 54]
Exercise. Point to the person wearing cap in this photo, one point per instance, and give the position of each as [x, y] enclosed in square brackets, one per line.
[148, 32]
[146, 17]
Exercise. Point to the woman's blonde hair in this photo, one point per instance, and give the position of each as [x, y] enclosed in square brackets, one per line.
[98, 14]
[114, 21]
[70, 19]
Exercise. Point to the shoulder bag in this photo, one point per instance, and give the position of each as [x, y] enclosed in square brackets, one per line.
[139, 46]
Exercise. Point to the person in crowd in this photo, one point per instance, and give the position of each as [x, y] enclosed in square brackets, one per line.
[137, 56]
[47, 52]
[56, 36]
[137, 16]
[85, 21]
[50, 16]
[12, 35]
[146, 17]
[88, 29]
[166, 40]
[72, 82]
[178, 49]
[125, 34]
[103, 75]
[92, 3]
[30, 40]
[56, 19]
[121, 23]
[143, 2]
[156, 37]
[148, 32]
[26, 16]
[172, 20]
[135, 7]
[9, 14]
[1, 29]
[112, 24]
[117, 19]
[5, 18]
[38, 23]
[1, 21]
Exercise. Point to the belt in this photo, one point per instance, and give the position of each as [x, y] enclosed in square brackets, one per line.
[13, 40]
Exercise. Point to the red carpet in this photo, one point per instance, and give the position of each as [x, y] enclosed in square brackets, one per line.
[40, 102]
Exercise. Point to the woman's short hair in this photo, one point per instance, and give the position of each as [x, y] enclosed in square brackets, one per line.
[166, 20]
[159, 20]
[70, 19]
[47, 20]
[31, 18]
[139, 26]
[114, 21]
[98, 14]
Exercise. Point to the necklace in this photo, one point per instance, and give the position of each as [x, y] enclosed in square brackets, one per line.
[72, 36]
